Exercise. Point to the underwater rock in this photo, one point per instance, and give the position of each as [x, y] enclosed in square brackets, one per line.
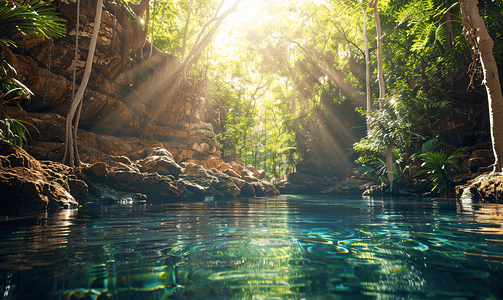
[29, 185]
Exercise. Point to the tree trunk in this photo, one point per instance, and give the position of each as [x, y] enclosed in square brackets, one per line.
[367, 66]
[476, 32]
[71, 135]
[382, 88]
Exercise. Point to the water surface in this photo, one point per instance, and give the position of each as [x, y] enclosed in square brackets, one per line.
[288, 247]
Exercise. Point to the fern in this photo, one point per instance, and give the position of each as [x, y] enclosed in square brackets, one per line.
[425, 21]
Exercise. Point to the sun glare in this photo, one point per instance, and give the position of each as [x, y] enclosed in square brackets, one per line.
[247, 11]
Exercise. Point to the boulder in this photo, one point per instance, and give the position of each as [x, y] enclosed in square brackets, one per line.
[268, 188]
[29, 185]
[163, 165]
[225, 186]
[194, 169]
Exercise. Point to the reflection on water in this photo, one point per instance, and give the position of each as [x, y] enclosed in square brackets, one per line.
[269, 248]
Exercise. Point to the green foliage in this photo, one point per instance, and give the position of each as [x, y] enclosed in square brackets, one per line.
[378, 166]
[386, 127]
[439, 166]
[16, 131]
[424, 19]
[32, 17]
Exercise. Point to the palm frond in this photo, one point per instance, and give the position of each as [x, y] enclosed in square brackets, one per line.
[33, 17]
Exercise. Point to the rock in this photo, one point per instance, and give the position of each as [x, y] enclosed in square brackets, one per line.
[99, 169]
[246, 173]
[47, 150]
[268, 188]
[248, 190]
[163, 165]
[249, 178]
[121, 159]
[159, 151]
[112, 145]
[487, 186]
[211, 162]
[194, 169]
[28, 185]
[201, 126]
[166, 133]
[154, 186]
[224, 166]
[92, 155]
[225, 186]
[259, 190]
[231, 173]
[254, 171]
[78, 189]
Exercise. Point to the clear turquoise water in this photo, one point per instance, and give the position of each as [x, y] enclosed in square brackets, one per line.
[267, 248]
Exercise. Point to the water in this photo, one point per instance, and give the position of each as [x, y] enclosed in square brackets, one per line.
[266, 248]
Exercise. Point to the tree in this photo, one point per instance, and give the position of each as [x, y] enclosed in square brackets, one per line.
[476, 32]
[367, 65]
[71, 157]
[382, 87]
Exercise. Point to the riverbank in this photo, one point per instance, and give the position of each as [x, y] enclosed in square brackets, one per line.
[27, 184]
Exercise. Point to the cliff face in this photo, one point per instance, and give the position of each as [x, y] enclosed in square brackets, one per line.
[140, 135]
[129, 100]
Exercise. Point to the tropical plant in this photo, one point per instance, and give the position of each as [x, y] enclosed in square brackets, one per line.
[32, 17]
[16, 132]
[11, 88]
[440, 166]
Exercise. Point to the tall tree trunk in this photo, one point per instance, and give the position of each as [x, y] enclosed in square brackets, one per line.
[476, 32]
[71, 135]
[367, 66]
[382, 88]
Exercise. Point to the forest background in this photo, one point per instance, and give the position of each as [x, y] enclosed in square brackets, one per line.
[286, 75]
[285, 81]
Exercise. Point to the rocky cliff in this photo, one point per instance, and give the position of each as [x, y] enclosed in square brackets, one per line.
[128, 95]
[137, 118]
